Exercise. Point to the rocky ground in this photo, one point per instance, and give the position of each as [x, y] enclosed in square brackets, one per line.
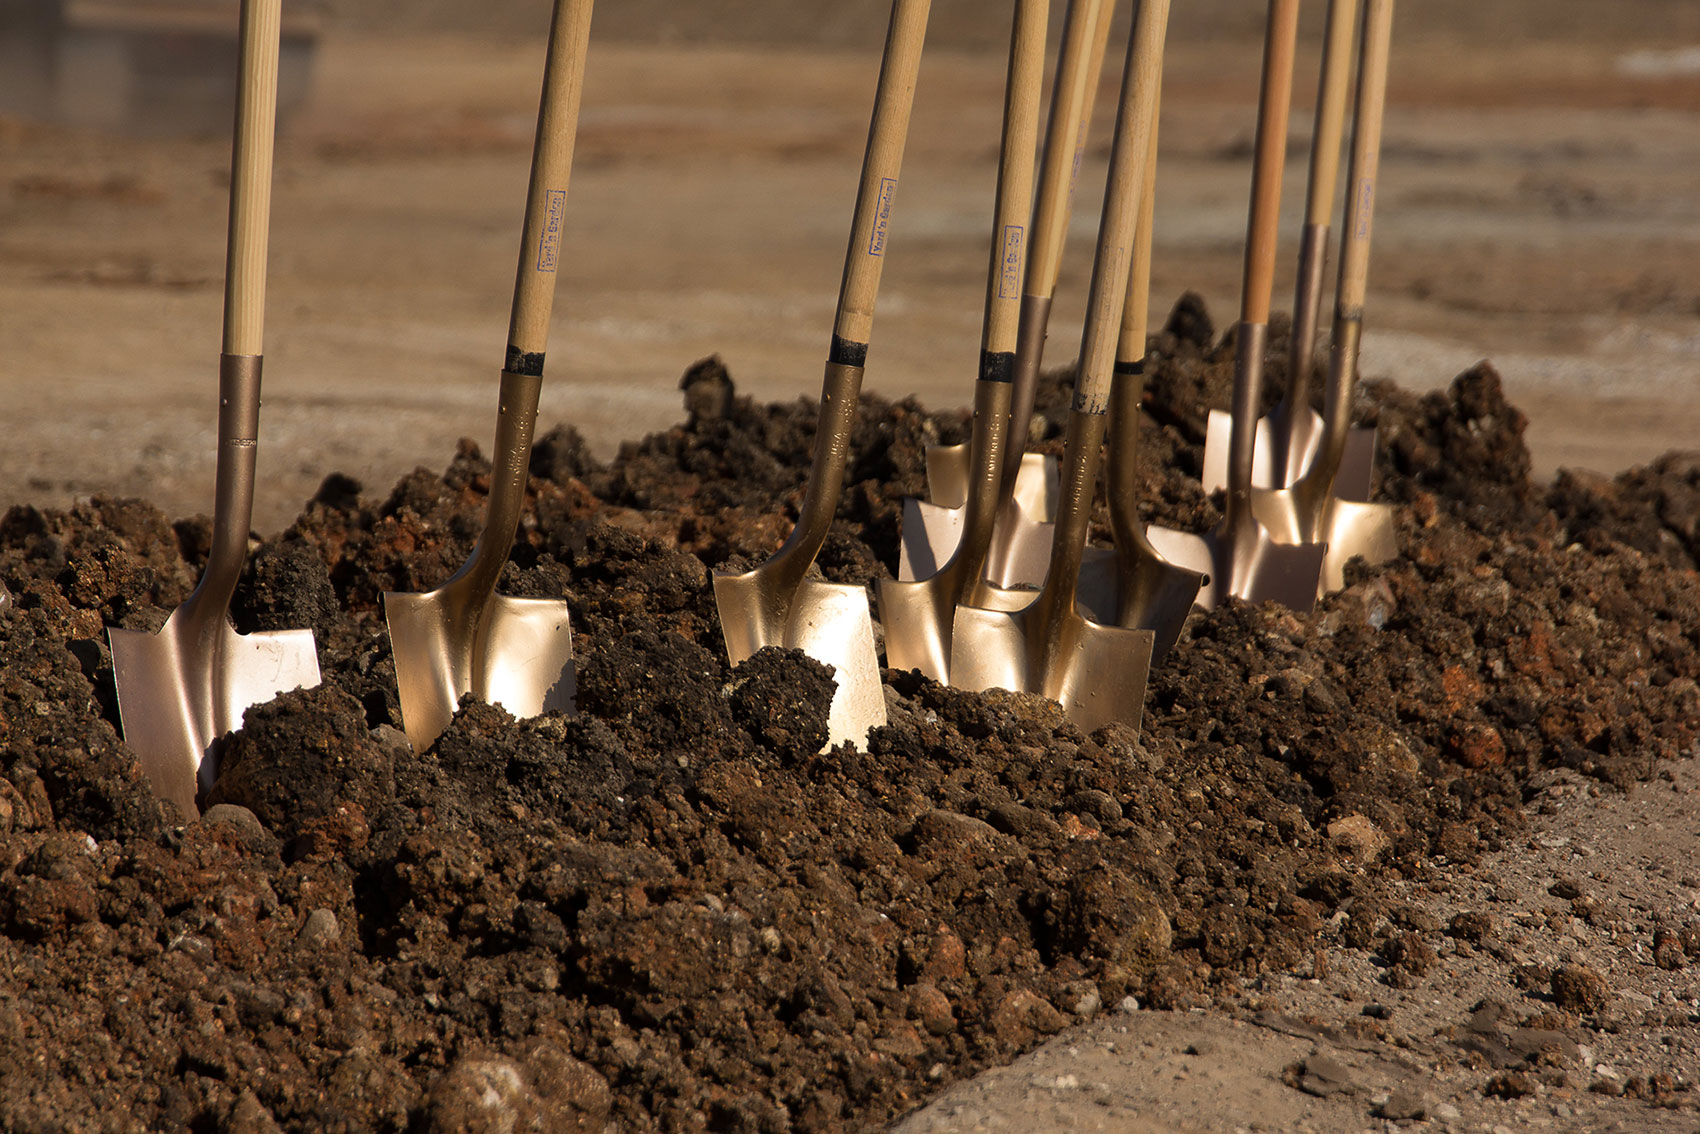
[672, 912]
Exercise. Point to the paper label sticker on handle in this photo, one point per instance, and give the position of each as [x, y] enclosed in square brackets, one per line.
[1014, 250]
[882, 216]
[549, 245]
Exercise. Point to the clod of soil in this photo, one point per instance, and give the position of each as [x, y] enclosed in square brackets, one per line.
[673, 913]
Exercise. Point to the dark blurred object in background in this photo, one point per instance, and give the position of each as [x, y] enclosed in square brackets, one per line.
[141, 66]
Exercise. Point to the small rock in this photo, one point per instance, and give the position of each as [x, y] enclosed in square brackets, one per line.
[947, 957]
[1321, 1076]
[1668, 953]
[1084, 1000]
[1378, 1011]
[320, 931]
[1404, 1104]
[1508, 1085]
[573, 1097]
[482, 1095]
[1024, 1014]
[1470, 926]
[238, 816]
[932, 1007]
[1565, 888]
[1358, 838]
[248, 1116]
[1445, 1112]
[1577, 988]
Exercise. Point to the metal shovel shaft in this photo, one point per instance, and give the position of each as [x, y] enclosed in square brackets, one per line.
[1317, 485]
[864, 261]
[1080, 63]
[1332, 92]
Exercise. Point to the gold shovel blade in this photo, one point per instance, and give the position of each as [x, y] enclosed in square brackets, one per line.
[828, 621]
[1161, 600]
[1352, 482]
[183, 688]
[1098, 673]
[518, 656]
[919, 618]
[1263, 571]
[1019, 555]
[1355, 529]
[1351, 528]
[1035, 481]
[932, 528]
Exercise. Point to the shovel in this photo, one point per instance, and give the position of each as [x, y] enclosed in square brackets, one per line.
[183, 688]
[1133, 585]
[1021, 541]
[1240, 557]
[777, 604]
[463, 637]
[1097, 672]
[1287, 440]
[1309, 512]
[918, 615]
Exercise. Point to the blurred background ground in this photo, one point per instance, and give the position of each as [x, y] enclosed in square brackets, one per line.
[1538, 208]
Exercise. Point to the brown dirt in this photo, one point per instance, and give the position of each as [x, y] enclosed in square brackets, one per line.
[670, 912]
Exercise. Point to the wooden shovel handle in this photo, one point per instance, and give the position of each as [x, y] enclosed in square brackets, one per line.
[546, 200]
[1274, 103]
[1331, 95]
[1011, 231]
[1106, 299]
[1366, 160]
[1130, 348]
[1317, 484]
[251, 179]
[1130, 159]
[1080, 62]
[880, 168]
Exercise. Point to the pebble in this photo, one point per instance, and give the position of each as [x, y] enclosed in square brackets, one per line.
[320, 931]
[1404, 1104]
[237, 816]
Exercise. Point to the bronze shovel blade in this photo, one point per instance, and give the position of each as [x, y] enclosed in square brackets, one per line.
[948, 475]
[183, 688]
[1097, 673]
[828, 621]
[519, 655]
[1357, 464]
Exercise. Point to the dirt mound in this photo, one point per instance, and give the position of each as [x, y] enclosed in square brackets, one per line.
[671, 912]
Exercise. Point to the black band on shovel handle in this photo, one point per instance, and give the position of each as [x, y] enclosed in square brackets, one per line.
[845, 352]
[528, 363]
